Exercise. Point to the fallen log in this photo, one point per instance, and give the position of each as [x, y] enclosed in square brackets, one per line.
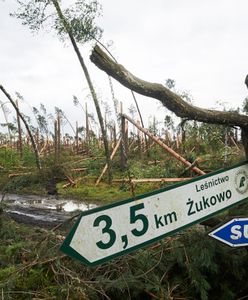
[71, 183]
[152, 162]
[170, 100]
[164, 146]
[147, 180]
[12, 175]
[79, 170]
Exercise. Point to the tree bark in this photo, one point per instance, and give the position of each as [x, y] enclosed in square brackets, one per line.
[58, 136]
[169, 99]
[19, 133]
[90, 84]
[123, 162]
[87, 130]
[56, 142]
[77, 144]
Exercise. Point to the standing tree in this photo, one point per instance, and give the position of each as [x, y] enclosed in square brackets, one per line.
[5, 113]
[77, 23]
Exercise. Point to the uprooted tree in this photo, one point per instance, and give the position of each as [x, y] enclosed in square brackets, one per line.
[169, 99]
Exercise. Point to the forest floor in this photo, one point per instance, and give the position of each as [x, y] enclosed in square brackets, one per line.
[187, 266]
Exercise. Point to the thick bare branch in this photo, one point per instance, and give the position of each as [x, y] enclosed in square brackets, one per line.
[169, 99]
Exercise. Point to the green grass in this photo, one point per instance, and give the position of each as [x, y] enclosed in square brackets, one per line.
[103, 193]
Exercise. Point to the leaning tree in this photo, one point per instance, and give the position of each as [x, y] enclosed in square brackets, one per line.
[76, 23]
[169, 99]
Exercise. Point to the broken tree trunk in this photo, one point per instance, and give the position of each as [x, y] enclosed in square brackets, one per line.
[12, 175]
[76, 137]
[147, 180]
[124, 144]
[169, 99]
[55, 141]
[111, 157]
[59, 136]
[71, 180]
[19, 133]
[87, 132]
[164, 146]
[124, 139]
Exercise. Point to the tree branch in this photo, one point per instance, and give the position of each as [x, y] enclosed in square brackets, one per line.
[169, 99]
[36, 152]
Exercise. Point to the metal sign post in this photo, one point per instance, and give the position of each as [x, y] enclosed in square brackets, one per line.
[110, 231]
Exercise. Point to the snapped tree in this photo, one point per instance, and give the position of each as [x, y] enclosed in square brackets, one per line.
[169, 99]
[77, 23]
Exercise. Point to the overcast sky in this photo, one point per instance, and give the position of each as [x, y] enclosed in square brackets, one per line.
[202, 45]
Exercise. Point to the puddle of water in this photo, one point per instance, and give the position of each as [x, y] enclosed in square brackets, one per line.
[36, 217]
[50, 210]
[72, 206]
[47, 203]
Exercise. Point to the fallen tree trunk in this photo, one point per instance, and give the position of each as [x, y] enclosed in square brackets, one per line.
[147, 180]
[164, 146]
[169, 99]
[12, 175]
[76, 170]
[71, 180]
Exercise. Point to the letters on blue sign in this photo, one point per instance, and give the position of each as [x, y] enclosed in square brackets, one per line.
[237, 232]
[233, 233]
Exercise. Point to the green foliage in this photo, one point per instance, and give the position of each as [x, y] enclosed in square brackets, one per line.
[8, 157]
[101, 194]
[189, 265]
[170, 84]
[36, 14]
[81, 19]
[11, 127]
[245, 106]
[95, 165]
[28, 158]
[20, 183]
[168, 122]
[41, 118]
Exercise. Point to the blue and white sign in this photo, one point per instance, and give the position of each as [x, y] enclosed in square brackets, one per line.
[233, 233]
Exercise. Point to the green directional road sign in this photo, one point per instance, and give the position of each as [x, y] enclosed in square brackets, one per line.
[107, 232]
